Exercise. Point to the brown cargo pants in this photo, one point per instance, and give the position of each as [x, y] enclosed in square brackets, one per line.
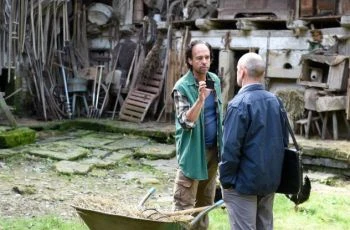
[189, 193]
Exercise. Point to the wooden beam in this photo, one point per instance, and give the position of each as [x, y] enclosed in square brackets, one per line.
[330, 103]
[204, 24]
[6, 110]
[313, 84]
[347, 107]
[246, 25]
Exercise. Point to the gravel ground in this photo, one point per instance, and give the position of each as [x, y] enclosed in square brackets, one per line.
[30, 186]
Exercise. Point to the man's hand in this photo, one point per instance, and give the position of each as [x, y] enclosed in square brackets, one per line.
[193, 113]
[203, 91]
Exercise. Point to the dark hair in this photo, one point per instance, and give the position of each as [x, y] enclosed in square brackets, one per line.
[190, 47]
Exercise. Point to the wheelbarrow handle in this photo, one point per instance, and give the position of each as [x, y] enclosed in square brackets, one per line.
[205, 211]
[145, 198]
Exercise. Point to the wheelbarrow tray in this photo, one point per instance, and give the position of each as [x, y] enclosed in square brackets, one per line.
[97, 220]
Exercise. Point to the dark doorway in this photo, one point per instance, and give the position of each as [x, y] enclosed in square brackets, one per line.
[3, 80]
[214, 67]
[6, 87]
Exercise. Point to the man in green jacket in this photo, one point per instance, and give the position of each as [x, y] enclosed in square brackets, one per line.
[198, 102]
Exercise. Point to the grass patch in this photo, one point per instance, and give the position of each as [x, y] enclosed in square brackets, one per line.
[41, 223]
[322, 211]
[218, 220]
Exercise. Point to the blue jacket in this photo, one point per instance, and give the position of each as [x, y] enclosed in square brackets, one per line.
[254, 138]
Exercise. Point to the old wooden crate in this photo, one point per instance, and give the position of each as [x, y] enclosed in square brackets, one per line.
[317, 8]
[344, 7]
[330, 103]
[278, 9]
[327, 72]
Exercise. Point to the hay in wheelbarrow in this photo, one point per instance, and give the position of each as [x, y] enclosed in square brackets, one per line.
[96, 220]
[101, 214]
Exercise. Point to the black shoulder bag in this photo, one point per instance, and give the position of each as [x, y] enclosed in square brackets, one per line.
[292, 170]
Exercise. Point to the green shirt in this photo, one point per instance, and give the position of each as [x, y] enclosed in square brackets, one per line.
[190, 142]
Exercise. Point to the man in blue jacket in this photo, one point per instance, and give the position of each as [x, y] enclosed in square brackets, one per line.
[254, 138]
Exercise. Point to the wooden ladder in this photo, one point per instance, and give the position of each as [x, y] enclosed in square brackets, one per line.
[140, 99]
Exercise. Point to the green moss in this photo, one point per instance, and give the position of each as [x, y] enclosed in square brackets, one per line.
[327, 153]
[106, 125]
[17, 137]
[342, 172]
[159, 136]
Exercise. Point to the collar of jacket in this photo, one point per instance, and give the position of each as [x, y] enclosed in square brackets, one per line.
[251, 87]
[192, 80]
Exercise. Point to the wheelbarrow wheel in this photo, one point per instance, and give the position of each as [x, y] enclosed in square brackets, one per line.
[57, 93]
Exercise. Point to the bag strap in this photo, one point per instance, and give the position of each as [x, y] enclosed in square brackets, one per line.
[284, 114]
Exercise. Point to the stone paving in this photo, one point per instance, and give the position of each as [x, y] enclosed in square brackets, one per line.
[113, 136]
[105, 158]
[79, 151]
[65, 164]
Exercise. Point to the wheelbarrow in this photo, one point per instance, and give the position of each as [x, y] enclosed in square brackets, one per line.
[97, 220]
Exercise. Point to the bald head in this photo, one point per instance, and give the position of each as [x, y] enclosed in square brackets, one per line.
[254, 65]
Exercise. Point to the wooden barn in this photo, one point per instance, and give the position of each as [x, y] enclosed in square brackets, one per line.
[120, 59]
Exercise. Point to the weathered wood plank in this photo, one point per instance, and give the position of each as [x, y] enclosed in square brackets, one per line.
[6, 110]
[313, 84]
[330, 103]
[132, 113]
[135, 108]
[137, 98]
[150, 89]
[347, 110]
[337, 76]
[133, 102]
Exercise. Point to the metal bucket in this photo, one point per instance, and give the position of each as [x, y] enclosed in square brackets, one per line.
[76, 84]
[99, 13]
